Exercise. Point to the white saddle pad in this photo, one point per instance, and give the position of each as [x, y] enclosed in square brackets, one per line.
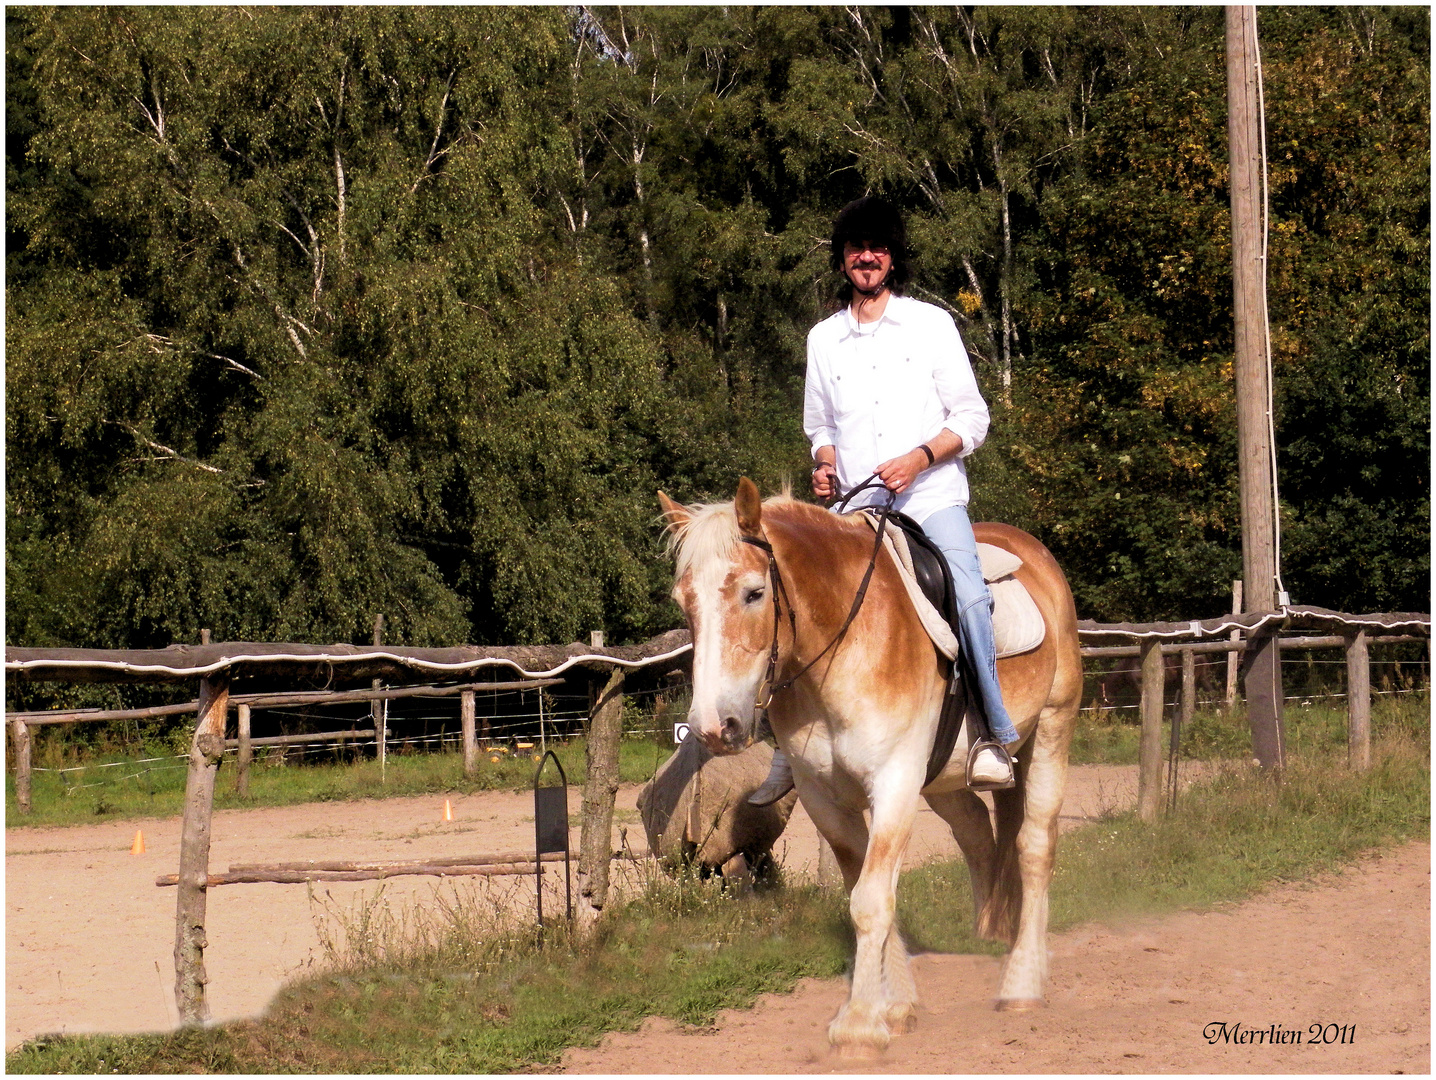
[1017, 623]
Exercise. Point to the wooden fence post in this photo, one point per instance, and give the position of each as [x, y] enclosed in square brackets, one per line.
[246, 753]
[20, 736]
[599, 791]
[1233, 657]
[1189, 686]
[204, 758]
[466, 724]
[1149, 774]
[1358, 702]
[376, 710]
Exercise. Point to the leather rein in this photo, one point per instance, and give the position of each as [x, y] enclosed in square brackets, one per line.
[760, 706]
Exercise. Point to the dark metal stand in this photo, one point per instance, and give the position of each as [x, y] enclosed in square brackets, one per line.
[551, 830]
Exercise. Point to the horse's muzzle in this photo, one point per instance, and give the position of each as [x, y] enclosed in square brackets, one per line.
[732, 736]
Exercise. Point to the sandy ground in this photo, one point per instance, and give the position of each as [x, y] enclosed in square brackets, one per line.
[1352, 949]
[89, 947]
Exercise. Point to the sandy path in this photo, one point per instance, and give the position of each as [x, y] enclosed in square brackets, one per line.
[89, 938]
[1351, 949]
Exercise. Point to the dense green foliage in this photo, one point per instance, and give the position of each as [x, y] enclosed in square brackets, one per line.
[318, 313]
[469, 997]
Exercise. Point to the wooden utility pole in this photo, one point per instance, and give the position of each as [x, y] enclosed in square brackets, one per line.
[1262, 663]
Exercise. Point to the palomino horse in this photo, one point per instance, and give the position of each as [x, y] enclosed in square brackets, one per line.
[859, 724]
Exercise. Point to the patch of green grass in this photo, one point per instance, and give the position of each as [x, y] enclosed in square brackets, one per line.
[1316, 726]
[278, 781]
[452, 992]
[1240, 832]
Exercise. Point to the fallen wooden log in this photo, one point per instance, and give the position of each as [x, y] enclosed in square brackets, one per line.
[294, 877]
[380, 864]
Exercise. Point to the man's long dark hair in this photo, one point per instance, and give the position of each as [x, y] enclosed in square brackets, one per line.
[874, 220]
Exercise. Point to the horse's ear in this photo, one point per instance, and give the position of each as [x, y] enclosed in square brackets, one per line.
[749, 507]
[676, 513]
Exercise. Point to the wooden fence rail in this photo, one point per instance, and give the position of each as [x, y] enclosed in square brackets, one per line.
[276, 701]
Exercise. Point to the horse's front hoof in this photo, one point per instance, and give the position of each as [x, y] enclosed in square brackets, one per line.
[1020, 1004]
[858, 1033]
[857, 1051]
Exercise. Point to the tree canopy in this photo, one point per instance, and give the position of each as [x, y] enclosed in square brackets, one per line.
[315, 313]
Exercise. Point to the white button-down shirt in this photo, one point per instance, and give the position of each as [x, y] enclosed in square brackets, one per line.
[877, 390]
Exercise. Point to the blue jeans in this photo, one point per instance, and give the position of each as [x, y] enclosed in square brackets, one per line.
[951, 531]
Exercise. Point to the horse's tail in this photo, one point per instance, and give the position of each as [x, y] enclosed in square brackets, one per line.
[999, 918]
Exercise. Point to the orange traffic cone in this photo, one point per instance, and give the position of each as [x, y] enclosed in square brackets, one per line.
[138, 847]
[448, 811]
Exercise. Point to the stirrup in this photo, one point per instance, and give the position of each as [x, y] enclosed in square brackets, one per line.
[987, 784]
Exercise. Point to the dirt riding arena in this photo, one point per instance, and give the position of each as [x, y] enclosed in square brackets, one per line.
[89, 940]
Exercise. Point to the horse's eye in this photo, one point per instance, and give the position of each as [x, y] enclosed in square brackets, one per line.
[752, 596]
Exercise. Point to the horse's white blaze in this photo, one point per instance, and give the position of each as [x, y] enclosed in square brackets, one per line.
[728, 670]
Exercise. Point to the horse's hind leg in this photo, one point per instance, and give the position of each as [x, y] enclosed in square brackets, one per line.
[971, 824]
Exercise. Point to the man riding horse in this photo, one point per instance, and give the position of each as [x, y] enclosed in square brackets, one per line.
[890, 392]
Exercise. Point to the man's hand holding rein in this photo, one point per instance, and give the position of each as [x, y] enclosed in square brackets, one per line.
[825, 472]
[899, 473]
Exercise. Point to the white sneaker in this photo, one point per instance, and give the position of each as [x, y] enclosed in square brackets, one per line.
[778, 784]
[989, 767]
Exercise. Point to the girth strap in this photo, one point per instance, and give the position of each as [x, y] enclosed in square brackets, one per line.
[955, 704]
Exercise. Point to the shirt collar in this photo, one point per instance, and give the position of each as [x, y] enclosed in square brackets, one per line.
[893, 312]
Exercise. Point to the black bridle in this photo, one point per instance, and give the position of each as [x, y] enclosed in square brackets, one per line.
[760, 706]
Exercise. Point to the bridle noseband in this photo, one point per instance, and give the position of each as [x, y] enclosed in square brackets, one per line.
[764, 700]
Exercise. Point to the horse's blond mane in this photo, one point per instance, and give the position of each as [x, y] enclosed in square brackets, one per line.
[712, 530]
